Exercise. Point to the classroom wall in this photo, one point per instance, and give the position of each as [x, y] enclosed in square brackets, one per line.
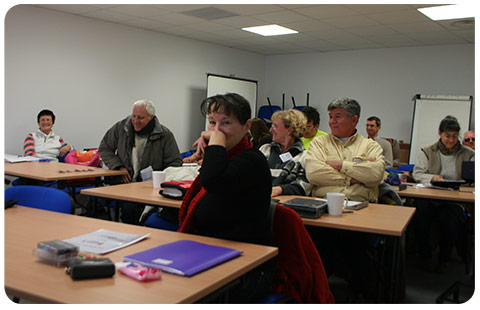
[383, 81]
[90, 72]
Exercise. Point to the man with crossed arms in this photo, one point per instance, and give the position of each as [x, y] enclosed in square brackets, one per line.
[346, 162]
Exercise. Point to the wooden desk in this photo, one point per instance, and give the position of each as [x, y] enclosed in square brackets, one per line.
[141, 192]
[42, 283]
[376, 218]
[390, 221]
[53, 171]
[438, 194]
[387, 220]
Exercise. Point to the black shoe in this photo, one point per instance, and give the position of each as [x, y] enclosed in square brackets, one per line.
[427, 264]
[442, 267]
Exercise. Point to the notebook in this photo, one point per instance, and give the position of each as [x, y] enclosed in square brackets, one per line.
[468, 171]
[308, 208]
[183, 257]
[448, 183]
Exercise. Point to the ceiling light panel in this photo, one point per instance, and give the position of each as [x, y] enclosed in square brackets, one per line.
[270, 30]
[448, 12]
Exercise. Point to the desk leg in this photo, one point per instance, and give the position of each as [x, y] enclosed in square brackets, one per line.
[93, 207]
[117, 211]
[397, 271]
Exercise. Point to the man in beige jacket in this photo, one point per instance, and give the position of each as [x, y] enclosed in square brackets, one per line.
[344, 161]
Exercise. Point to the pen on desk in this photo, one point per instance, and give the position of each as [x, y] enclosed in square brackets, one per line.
[347, 211]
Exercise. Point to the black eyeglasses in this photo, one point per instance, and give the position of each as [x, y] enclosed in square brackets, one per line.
[468, 139]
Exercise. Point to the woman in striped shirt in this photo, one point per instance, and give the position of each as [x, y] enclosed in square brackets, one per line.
[44, 143]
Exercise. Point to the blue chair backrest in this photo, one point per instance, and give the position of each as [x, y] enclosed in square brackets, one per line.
[300, 107]
[158, 222]
[40, 197]
[406, 167]
[265, 113]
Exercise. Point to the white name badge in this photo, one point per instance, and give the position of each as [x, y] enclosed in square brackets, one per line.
[286, 157]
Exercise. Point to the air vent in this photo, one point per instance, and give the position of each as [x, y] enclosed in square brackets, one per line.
[209, 13]
[465, 23]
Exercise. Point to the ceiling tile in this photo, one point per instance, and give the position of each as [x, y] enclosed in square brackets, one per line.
[350, 22]
[400, 17]
[108, 15]
[377, 8]
[145, 23]
[181, 7]
[240, 21]
[309, 25]
[249, 9]
[139, 10]
[208, 27]
[437, 38]
[176, 30]
[326, 11]
[70, 8]
[177, 19]
[281, 17]
[372, 30]
[322, 27]
[417, 27]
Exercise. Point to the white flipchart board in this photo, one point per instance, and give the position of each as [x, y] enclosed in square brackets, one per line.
[429, 110]
[220, 85]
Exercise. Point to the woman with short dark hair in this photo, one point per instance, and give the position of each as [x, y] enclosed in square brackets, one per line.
[44, 143]
[230, 197]
[440, 161]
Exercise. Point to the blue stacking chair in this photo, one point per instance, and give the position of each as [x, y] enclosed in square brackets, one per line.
[40, 197]
[300, 107]
[266, 111]
[155, 221]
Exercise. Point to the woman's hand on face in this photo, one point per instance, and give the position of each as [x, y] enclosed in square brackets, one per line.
[213, 137]
[202, 142]
[217, 137]
[64, 150]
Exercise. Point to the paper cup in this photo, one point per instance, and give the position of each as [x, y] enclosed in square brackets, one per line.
[336, 202]
[158, 178]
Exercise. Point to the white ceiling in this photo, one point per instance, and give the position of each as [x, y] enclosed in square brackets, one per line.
[322, 27]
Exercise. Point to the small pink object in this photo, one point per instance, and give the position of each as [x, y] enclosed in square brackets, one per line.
[141, 273]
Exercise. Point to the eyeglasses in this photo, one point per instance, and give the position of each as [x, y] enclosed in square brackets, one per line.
[468, 139]
[309, 127]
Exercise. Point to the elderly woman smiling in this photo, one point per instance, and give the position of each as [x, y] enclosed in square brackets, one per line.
[286, 154]
[44, 143]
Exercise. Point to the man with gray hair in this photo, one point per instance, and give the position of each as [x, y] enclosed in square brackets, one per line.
[346, 162]
[137, 142]
[373, 127]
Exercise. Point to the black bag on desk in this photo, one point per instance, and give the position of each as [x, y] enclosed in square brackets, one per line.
[308, 208]
[90, 268]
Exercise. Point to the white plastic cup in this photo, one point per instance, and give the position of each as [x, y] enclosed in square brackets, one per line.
[336, 202]
[158, 178]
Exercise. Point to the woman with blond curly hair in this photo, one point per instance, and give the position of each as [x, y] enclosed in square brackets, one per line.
[286, 154]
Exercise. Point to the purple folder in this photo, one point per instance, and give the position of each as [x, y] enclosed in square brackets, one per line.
[183, 257]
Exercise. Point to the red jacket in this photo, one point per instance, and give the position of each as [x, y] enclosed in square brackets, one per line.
[301, 275]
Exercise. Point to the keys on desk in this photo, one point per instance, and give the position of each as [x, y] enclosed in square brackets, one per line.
[76, 170]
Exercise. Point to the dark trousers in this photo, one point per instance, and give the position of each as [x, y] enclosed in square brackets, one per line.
[350, 255]
[130, 212]
[448, 216]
